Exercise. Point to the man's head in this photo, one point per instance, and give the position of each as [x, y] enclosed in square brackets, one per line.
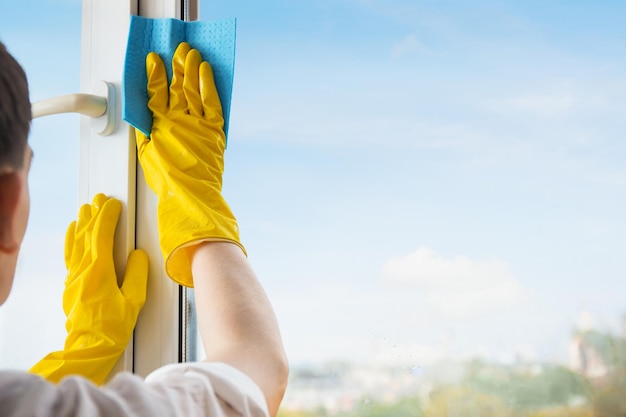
[15, 156]
[14, 111]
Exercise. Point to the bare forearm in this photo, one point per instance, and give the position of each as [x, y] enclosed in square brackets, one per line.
[237, 322]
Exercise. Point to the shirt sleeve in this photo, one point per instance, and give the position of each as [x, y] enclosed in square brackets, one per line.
[194, 390]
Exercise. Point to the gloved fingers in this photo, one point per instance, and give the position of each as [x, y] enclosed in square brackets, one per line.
[157, 83]
[208, 92]
[136, 278]
[80, 233]
[104, 229]
[97, 203]
[69, 243]
[84, 217]
[178, 102]
[191, 83]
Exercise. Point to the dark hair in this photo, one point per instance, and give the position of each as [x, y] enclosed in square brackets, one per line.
[15, 113]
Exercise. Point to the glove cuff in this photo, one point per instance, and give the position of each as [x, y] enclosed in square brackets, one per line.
[178, 263]
[182, 229]
[94, 364]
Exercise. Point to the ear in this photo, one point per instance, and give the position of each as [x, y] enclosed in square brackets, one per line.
[10, 190]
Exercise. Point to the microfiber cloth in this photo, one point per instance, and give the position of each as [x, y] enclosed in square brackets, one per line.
[214, 39]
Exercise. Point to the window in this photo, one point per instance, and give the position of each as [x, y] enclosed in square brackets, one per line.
[432, 195]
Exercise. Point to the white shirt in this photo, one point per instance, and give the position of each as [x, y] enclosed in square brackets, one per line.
[188, 389]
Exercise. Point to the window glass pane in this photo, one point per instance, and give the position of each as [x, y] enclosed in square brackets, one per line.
[433, 196]
[45, 38]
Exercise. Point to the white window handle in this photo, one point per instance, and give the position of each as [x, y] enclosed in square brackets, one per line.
[87, 104]
[101, 108]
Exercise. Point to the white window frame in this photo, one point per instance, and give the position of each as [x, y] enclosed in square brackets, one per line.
[108, 164]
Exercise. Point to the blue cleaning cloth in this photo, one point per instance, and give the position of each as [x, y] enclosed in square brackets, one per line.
[214, 39]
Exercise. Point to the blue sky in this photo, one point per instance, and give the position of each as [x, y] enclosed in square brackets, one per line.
[413, 180]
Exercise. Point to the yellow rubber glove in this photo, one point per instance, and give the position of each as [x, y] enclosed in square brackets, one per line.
[100, 315]
[183, 160]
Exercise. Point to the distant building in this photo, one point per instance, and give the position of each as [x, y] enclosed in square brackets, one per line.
[596, 355]
[340, 387]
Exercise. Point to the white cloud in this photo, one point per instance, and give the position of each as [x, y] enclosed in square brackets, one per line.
[456, 287]
[426, 268]
[549, 105]
[419, 314]
[348, 322]
[408, 46]
[545, 105]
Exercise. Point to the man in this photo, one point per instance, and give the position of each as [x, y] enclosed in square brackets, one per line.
[246, 370]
